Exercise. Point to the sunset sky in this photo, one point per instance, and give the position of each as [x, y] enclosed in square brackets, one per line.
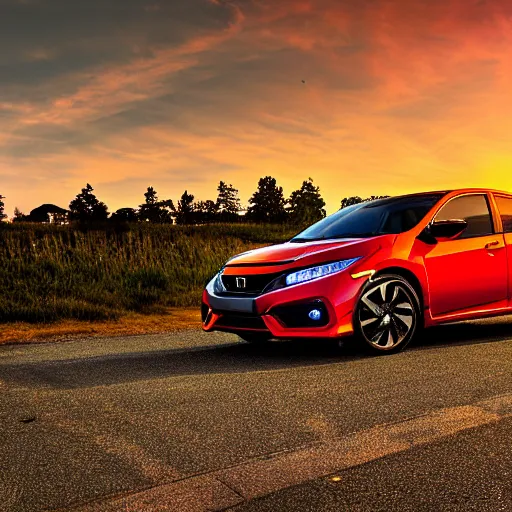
[400, 95]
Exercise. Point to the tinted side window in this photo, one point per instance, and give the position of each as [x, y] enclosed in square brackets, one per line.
[505, 208]
[474, 210]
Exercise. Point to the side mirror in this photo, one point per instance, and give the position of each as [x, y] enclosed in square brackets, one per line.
[442, 230]
[426, 236]
[448, 229]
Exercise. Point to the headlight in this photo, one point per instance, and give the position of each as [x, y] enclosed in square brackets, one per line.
[218, 285]
[308, 274]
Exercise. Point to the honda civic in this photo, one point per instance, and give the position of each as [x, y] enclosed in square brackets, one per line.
[378, 271]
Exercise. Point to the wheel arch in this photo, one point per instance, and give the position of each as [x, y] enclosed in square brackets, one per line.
[410, 277]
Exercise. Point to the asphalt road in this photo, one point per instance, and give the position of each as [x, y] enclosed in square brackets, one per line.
[192, 421]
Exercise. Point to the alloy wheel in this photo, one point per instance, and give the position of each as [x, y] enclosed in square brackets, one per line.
[387, 314]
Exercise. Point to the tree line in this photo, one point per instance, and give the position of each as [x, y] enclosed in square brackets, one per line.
[267, 205]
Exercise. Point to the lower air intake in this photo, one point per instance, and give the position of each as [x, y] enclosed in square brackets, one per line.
[236, 321]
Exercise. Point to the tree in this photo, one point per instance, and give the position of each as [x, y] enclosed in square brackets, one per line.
[206, 211]
[349, 201]
[228, 203]
[154, 210]
[124, 215]
[151, 196]
[185, 213]
[19, 216]
[267, 203]
[373, 198]
[2, 206]
[306, 204]
[211, 208]
[86, 208]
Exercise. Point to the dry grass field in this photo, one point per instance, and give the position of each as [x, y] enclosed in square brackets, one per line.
[56, 281]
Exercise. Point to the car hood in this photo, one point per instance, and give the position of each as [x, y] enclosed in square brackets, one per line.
[289, 252]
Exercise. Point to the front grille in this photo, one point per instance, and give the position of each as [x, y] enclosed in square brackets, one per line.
[254, 283]
[240, 321]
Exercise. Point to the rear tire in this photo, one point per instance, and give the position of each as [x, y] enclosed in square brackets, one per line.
[387, 314]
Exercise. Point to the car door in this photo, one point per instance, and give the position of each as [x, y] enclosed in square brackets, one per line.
[504, 205]
[470, 270]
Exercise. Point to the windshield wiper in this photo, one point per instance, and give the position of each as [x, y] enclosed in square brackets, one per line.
[302, 240]
[352, 235]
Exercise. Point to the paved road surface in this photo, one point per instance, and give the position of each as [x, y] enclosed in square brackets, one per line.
[192, 422]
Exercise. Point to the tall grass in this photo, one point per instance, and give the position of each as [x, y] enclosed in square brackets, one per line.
[49, 273]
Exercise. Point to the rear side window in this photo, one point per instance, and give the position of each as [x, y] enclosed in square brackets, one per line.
[474, 209]
[505, 208]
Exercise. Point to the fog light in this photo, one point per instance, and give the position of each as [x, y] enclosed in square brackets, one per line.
[311, 314]
[315, 314]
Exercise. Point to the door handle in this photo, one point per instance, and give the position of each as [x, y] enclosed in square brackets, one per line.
[492, 244]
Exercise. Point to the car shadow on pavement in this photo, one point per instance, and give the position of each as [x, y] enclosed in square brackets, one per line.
[465, 333]
[232, 358]
[120, 368]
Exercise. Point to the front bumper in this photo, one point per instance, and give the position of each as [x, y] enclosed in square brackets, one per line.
[337, 294]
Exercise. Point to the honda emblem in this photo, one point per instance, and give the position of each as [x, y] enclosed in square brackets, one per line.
[241, 283]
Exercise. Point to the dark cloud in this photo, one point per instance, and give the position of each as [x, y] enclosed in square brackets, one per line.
[47, 38]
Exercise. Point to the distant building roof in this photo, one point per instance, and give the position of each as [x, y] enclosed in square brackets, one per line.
[40, 214]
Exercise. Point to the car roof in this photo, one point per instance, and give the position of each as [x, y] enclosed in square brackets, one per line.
[457, 191]
[440, 193]
[492, 190]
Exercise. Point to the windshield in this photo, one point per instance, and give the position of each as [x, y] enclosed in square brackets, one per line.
[383, 216]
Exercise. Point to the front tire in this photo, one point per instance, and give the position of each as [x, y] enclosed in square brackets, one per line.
[387, 314]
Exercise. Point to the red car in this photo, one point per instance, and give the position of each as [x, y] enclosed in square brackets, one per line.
[379, 270]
